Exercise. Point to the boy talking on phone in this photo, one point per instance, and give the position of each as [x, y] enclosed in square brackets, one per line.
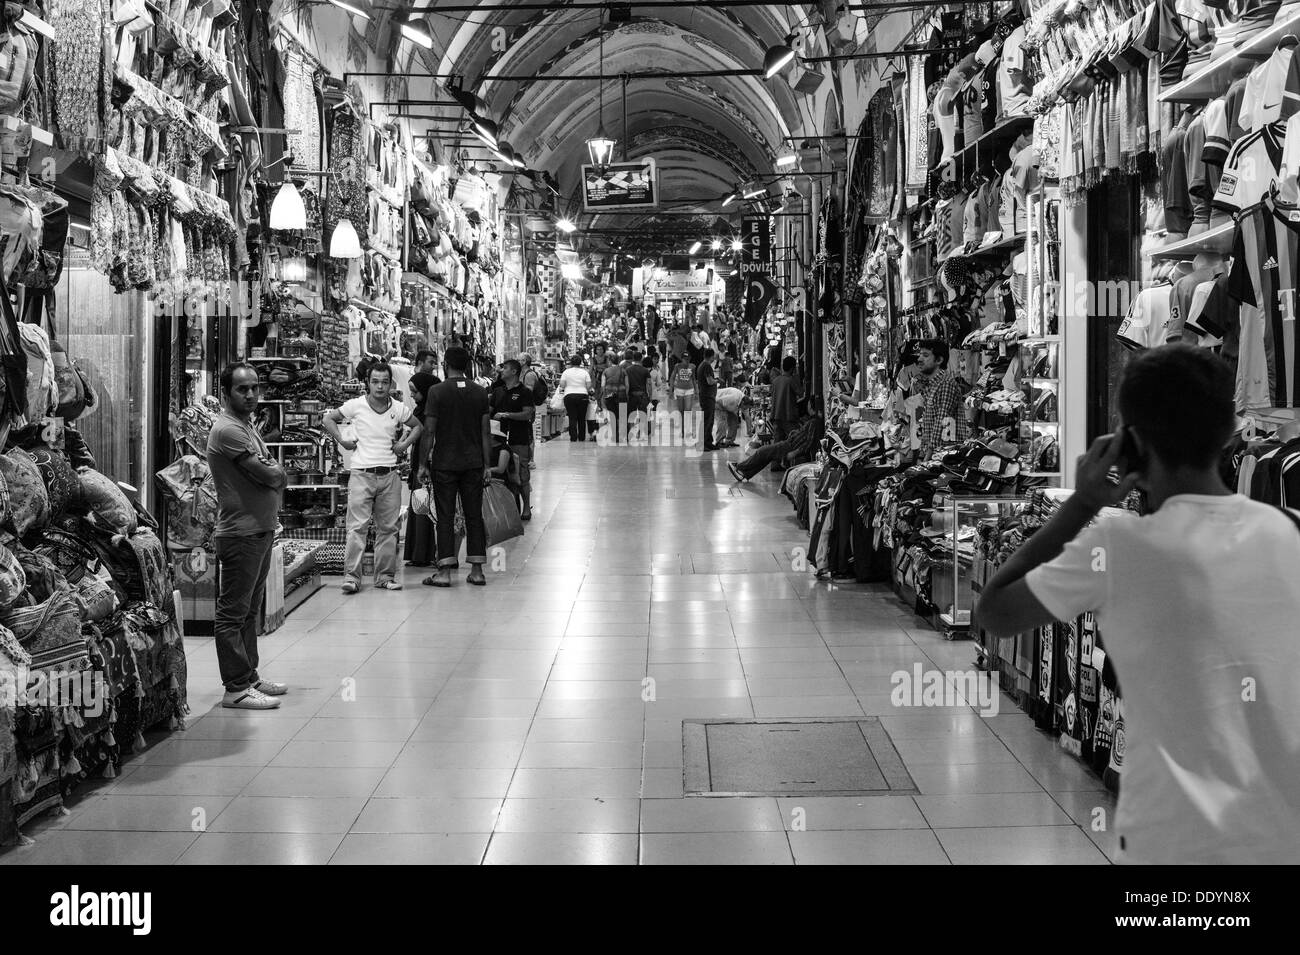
[1197, 603]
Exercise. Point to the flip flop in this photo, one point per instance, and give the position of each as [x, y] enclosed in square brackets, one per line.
[434, 582]
[476, 581]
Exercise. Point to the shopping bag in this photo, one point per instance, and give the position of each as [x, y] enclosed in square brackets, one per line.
[557, 403]
[422, 502]
[500, 514]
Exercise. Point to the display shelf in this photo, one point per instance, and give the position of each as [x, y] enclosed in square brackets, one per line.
[1217, 241]
[995, 249]
[1003, 133]
[1213, 80]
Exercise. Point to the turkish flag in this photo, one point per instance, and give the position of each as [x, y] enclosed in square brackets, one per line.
[760, 292]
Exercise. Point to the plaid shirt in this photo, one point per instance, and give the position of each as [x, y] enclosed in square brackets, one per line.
[942, 394]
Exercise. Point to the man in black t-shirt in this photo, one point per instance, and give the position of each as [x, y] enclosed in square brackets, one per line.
[455, 452]
[513, 405]
[707, 384]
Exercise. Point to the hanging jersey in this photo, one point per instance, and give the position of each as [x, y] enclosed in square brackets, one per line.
[1267, 86]
[1265, 262]
[1252, 166]
[1147, 322]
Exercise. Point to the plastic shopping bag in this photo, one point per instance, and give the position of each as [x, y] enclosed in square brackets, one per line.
[500, 514]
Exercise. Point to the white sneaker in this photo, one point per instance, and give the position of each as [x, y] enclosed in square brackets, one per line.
[390, 585]
[271, 688]
[249, 699]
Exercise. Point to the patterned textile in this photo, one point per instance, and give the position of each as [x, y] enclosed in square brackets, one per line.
[106, 503]
[79, 68]
[51, 633]
[13, 581]
[61, 483]
[29, 502]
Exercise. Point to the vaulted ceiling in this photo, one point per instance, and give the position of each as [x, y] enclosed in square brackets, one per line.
[707, 134]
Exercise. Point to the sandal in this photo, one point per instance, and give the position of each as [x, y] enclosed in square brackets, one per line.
[433, 581]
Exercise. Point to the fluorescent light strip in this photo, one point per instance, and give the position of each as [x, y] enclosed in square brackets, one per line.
[355, 11]
[417, 33]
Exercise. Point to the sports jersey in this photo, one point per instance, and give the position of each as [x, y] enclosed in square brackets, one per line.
[1267, 85]
[973, 224]
[1256, 17]
[1012, 84]
[1252, 166]
[972, 122]
[1147, 321]
[1180, 303]
[1178, 203]
[1290, 160]
[943, 217]
[1265, 265]
[988, 87]
[1198, 174]
[945, 118]
[1215, 125]
[1202, 311]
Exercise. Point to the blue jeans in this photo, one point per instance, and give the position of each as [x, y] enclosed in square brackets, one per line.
[242, 566]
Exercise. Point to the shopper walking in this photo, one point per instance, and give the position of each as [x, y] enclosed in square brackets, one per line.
[576, 391]
[512, 406]
[1197, 602]
[707, 381]
[420, 544]
[614, 398]
[684, 394]
[456, 456]
[801, 442]
[375, 487]
[943, 421]
[728, 405]
[786, 394]
[638, 391]
[249, 487]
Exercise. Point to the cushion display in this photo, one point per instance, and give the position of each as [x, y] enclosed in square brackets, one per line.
[107, 503]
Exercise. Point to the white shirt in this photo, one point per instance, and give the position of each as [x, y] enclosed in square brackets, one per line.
[1197, 605]
[575, 381]
[729, 399]
[1011, 94]
[374, 433]
[1147, 322]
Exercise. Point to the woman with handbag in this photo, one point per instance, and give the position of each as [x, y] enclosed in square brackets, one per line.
[421, 546]
[576, 388]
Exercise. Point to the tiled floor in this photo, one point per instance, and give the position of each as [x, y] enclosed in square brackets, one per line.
[516, 723]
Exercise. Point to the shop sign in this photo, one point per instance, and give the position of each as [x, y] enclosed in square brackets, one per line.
[631, 185]
[756, 236]
[687, 282]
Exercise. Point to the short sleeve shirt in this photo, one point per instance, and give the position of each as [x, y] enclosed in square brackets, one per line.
[460, 406]
[244, 507]
[1011, 79]
[1147, 322]
[1252, 166]
[374, 431]
[512, 401]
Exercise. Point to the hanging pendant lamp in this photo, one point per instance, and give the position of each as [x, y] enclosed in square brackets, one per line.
[600, 148]
[778, 57]
[345, 243]
[287, 210]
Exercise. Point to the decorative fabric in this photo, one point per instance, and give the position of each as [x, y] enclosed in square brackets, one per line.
[61, 482]
[105, 501]
[51, 632]
[13, 581]
[29, 502]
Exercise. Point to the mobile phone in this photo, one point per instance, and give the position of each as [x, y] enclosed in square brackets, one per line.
[1130, 456]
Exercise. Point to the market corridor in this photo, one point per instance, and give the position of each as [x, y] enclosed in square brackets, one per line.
[507, 724]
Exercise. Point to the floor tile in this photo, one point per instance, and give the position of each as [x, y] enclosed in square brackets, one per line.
[868, 847]
[1052, 845]
[562, 848]
[716, 848]
[411, 849]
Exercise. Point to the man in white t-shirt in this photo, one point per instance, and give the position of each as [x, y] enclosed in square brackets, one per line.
[375, 487]
[1196, 603]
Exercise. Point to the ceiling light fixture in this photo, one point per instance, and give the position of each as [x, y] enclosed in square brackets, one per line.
[729, 200]
[789, 159]
[565, 225]
[754, 190]
[600, 148]
[737, 246]
[417, 33]
[695, 248]
[717, 244]
[778, 57]
[484, 129]
[355, 11]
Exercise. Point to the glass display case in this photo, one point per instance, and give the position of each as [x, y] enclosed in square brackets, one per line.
[966, 565]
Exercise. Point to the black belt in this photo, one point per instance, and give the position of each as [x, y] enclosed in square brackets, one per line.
[380, 471]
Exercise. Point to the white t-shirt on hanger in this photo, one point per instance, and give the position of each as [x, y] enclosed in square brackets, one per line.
[1012, 95]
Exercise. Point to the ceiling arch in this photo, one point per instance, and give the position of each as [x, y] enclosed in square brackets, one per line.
[707, 134]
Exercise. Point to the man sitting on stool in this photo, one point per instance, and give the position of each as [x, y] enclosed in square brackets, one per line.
[800, 443]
